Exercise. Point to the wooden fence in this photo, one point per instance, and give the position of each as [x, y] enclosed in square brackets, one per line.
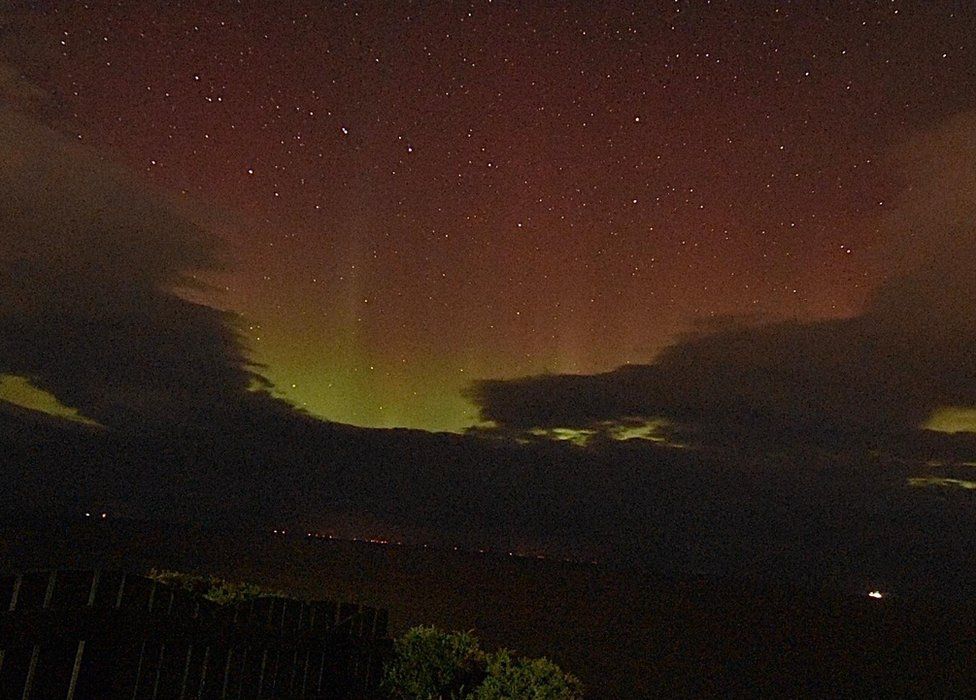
[107, 634]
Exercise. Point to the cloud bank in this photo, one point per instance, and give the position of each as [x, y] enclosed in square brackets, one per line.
[89, 261]
[880, 373]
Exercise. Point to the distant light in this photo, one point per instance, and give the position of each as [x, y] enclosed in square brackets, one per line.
[104, 515]
[876, 594]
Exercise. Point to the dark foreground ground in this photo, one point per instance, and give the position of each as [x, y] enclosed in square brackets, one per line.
[624, 634]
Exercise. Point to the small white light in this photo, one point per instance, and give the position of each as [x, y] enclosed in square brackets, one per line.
[876, 594]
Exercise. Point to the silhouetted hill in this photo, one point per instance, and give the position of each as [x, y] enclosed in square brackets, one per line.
[840, 520]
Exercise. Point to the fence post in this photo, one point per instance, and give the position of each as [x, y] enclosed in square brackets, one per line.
[264, 662]
[142, 647]
[186, 669]
[203, 673]
[159, 669]
[240, 689]
[36, 651]
[118, 596]
[10, 606]
[223, 689]
[76, 669]
[308, 656]
[16, 592]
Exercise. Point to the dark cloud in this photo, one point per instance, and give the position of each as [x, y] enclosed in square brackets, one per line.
[880, 373]
[90, 265]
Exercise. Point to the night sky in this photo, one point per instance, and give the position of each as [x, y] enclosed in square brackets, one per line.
[413, 196]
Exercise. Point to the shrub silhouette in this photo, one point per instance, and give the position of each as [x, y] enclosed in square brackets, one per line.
[529, 679]
[213, 588]
[430, 664]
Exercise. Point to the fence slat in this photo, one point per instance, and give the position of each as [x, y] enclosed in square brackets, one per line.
[75, 670]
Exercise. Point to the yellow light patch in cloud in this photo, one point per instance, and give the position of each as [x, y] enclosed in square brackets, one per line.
[952, 419]
[945, 482]
[19, 391]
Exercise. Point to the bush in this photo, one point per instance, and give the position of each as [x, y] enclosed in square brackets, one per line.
[212, 588]
[433, 665]
[526, 679]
